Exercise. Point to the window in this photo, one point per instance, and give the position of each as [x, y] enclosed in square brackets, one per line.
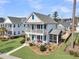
[14, 25]
[45, 38]
[33, 17]
[41, 37]
[10, 25]
[44, 26]
[28, 25]
[18, 25]
[32, 26]
[24, 25]
[18, 32]
[14, 33]
[38, 37]
[10, 32]
[41, 26]
[50, 36]
[1, 25]
[32, 37]
[38, 26]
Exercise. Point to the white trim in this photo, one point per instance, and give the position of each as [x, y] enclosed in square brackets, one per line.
[57, 39]
[34, 33]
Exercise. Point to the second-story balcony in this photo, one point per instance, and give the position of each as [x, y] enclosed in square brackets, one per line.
[36, 30]
[41, 31]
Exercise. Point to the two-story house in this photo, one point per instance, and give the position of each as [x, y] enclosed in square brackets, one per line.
[42, 28]
[15, 26]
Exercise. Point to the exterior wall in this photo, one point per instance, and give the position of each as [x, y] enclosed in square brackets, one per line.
[36, 19]
[51, 26]
[17, 29]
[61, 27]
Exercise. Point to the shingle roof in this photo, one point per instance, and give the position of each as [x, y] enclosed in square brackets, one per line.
[2, 20]
[55, 32]
[65, 23]
[45, 18]
[17, 20]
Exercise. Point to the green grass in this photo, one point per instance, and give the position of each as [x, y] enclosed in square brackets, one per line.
[6, 46]
[27, 53]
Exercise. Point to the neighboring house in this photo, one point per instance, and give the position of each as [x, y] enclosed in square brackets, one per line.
[64, 24]
[42, 28]
[15, 25]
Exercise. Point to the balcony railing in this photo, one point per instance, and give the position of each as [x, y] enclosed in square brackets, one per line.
[35, 30]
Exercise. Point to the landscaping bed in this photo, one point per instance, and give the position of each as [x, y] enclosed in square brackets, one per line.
[43, 50]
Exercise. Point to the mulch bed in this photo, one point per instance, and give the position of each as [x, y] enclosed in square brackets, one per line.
[36, 49]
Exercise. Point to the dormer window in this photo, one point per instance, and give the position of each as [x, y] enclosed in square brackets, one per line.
[33, 17]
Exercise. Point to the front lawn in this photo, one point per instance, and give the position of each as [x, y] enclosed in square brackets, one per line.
[6, 46]
[27, 53]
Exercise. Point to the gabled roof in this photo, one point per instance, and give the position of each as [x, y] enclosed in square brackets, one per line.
[44, 18]
[17, 20]
[2, 20]
[55, 32]
[65, 23]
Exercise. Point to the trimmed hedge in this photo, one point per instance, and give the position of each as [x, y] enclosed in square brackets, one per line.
[22, 41]
[43, 48]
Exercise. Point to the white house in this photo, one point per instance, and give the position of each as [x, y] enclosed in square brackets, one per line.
[15, 26]
[64, 24]
[42, 28]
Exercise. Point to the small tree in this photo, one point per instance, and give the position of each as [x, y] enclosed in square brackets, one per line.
[2, 31]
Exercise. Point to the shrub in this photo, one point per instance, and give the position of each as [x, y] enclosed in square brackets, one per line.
[28, 39]
[22, 41]
[31, 44]
[75, 53]
[43, 48]
[71, 52]
[4, 39]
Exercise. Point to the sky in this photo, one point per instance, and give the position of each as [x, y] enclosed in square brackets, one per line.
[26, 7]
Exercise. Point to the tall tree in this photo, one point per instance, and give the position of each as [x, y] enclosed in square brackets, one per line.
[55, 16]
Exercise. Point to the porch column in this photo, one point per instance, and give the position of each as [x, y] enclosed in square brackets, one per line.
[57, 39]
[27, 35]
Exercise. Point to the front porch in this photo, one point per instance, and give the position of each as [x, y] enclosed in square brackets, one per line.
[55, 36]
[37, 38]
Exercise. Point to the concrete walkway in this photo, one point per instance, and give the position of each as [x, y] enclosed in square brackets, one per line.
[8, 56]
[17, 49]
[4, 56]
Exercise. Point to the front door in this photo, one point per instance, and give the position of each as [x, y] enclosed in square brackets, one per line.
[38, 38]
